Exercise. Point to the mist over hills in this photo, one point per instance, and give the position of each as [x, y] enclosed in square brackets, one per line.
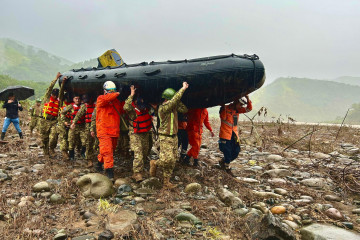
[307, 100]
[25, 62]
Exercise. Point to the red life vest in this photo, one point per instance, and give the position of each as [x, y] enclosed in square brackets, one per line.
[52, 107]
[73, 114]
[143, 121]
[89, 112]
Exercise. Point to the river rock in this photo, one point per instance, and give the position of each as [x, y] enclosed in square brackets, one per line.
[277, 181]
[277, 173]
[106, 235]
[84, 237]
[274, 157]
[38, 166]
[332, 198]
[3, 155]
[192, 188]
[124, 189]
[314, 182]
[267, 194]
[42, 187]
[95, 185]
[229, 198]
[280, 191]
[278, 210]
[121, 222]
[186, 216]
[56, 198]
[248, 180]
[320, 155]
[292, 224]
[152, 183]
[121, 181]
[334, 214]
[60, 236]
[356, 211]
[325, 231]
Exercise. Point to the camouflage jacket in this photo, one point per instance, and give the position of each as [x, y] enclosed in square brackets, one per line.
[168, 114]
[80, 113]
[35, 111]
[93, 121]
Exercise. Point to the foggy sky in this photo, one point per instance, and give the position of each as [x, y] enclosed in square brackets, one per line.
[317, 39]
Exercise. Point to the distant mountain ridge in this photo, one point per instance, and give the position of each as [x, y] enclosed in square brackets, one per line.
[348, 80]
[25, 62]
[307, 99]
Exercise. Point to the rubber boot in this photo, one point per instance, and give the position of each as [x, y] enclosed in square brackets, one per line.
[83, 150]
[196, 163]
[153, 168]
[21, 135]
[167, 184]
[2, 136]
[186, 161]
[109, 173]
[99, 167]
[72, 155]
[65, 154]
[137, 177]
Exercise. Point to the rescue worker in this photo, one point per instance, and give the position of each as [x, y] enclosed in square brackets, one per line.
[49, 118]
[12, 115]
[182, 135]
[108, 111]
[86, 111]
[64, 126]
[35, 114]
[93, 135]
[77, 128]
[141, 120]
[196, 118]
[229, 142]
[168, 115]
[123, 144]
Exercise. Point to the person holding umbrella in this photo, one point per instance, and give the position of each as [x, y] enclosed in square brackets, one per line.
[12, 115]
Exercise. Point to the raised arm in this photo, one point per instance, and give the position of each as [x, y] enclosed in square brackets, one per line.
[104, 100]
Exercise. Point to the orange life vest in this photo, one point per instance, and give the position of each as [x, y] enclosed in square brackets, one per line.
[89, 112]
[229, 119]
[73, 114]
[143, 121]
[52, 107]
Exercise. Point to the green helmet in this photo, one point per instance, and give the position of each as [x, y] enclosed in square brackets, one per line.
[168, 93]
[38, 100]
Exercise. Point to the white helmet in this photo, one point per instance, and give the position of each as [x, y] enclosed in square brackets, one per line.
[109, 86]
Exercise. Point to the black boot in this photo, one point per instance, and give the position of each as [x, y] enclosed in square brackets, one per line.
[109, 173]
[99, 167]
[186, 161]
[2, 136]
[21, 135]
[72, 155]
[196, 163]
[83, 150]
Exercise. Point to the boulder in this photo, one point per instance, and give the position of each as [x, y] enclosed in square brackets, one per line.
[334, 214]
[95, 185]
[152, 183]
[324, 231]
[121, 222]
[229, 198]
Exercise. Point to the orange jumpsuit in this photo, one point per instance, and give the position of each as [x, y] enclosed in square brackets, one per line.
[196, 119]
[108, 110]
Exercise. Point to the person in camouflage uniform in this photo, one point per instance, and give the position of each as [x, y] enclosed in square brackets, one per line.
[140, 136]
[35, 114]
[49, 119]
[77, 129]
[123, 145]
[86, 110]
[64, 126]
[93, 131]
[168, 129]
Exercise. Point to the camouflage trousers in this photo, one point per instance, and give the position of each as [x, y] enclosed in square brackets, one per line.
[123, 144]
[168, 154]
[49, 135]
[77, 134]
[63, 137]
[89, 142]
[141, 144]
[34, 123]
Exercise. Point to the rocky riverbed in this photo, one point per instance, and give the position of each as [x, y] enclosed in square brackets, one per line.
[274, 194]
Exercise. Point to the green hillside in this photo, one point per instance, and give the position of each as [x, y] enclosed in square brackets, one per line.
[307, 99]
[348, 80]
[39, 87]
[24, 62]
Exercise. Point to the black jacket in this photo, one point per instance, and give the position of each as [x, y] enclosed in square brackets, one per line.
[12, 109]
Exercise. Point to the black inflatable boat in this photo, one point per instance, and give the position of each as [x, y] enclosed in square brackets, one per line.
[212, 80]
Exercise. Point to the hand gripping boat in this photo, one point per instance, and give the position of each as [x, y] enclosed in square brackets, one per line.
[212, 80]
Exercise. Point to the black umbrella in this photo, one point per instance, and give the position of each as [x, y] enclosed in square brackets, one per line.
[20, 92]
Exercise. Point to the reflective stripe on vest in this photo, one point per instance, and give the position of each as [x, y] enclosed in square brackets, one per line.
[89, 111]
[143, 121]
[73, 114]
[51, 108]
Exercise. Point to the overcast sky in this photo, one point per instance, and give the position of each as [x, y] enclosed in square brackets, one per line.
[304, 38]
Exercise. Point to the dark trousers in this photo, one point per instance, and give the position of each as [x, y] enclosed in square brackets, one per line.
[230, 148]
[183, 140]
